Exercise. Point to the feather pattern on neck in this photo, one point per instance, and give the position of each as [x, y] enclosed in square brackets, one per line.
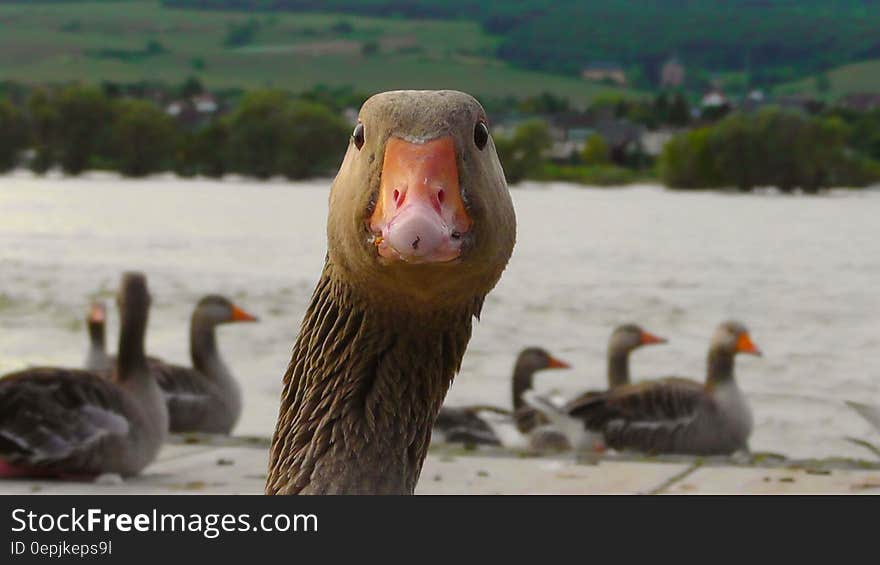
[364, 385]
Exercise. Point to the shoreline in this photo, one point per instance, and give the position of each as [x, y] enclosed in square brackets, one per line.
[237, 465]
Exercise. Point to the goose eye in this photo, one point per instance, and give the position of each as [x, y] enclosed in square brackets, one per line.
[481, 135]
[358, 136]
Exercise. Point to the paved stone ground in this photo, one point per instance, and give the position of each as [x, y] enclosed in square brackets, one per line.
[238, 466]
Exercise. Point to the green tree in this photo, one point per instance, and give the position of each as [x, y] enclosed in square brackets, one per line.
[211, 149]
[314, 141]
[687, 161]
[13, 135]
[81, 135]
[522, 154]
[43, 112]
[144, 138]
[679, 111]
[191, 87]
[737, 150]
[257, 133]
[596, 151]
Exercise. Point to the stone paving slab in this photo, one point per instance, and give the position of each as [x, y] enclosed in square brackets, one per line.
[731, 480]
[238, 466]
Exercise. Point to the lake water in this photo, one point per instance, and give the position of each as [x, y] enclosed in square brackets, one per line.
[801, 272]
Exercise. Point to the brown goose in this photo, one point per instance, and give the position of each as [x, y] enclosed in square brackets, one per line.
[205, 398]
[624, 340]
[420, 227]
[96, 357]
[679, 415]
[467, 424]
[561, 431]
[69, 423]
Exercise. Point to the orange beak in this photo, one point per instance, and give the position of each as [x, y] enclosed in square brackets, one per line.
[554, 363]
[744, 345]
[239, 315]
[97, 314]
[651, 339]
[420, 215]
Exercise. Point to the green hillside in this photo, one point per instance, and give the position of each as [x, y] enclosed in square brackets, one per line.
[852, 78]
[144, 40]
[773, 41]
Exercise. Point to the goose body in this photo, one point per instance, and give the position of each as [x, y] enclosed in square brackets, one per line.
[58, 422]
[678, 415]
[475, 425]
[420, 227]
[206, 397]
[624, 340]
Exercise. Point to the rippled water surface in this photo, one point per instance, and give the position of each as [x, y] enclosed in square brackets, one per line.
[803, 273]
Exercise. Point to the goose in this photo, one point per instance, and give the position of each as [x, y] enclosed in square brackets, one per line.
[472, 424]
[205, 398]
[420, 227]
[677, 415]
[71, 423]
[556, 433]
[625, 339]
[96, 356]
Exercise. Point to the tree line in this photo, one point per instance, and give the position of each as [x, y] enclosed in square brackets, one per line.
[771, 147]
[75, 128]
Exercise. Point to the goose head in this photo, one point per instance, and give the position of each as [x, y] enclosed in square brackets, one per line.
[629, 337]
[420, 213]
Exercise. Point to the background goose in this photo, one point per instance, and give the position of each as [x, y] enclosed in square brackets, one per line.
[679, 415]
[420, 228]
[96, 356]
[474, 424]
[70, 423]
[205, 398]
[624, 340]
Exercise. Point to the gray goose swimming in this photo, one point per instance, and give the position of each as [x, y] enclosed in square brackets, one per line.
[205, 398]
[624, 340]
[96, 356]
[558, 435]
[470, 424]
[679, 415]
[419, 230]
[70, 423]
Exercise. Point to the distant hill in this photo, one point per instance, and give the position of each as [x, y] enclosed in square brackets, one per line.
[143, 40]
[766, 41]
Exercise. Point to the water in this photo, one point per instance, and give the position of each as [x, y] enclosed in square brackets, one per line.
[802, 273]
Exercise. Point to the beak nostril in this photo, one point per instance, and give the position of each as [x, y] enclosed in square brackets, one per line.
[440, 196]
[396, 196]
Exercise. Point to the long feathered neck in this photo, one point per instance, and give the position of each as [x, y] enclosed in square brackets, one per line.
[131, 356]
[618, 366]
[361, 393]
[203, 345]
[719, 366]
[97, 336]
[523, 380]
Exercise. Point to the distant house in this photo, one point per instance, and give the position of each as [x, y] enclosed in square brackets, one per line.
[714, 98]
[604, 72]
[672, 73]
[861, 102]
[754, 100]
[205, 103]
[194, 111]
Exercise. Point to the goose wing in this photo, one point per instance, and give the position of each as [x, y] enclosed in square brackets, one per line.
[650, 416]
[62, 418]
